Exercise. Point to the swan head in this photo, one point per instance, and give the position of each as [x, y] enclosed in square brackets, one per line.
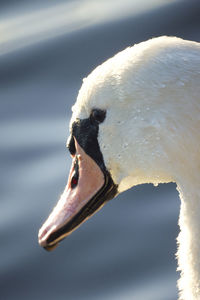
[126, 129]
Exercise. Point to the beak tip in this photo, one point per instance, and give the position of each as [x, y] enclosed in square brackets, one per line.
[44, 245]
[42, 239]
[42, 242]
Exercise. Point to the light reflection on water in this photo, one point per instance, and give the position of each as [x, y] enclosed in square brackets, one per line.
[65, 17]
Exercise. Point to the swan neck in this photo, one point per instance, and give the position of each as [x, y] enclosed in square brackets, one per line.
[189, 241]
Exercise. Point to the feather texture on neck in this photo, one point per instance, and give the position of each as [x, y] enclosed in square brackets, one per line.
[151, 134]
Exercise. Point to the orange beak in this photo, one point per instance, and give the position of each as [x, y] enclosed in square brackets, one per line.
[78, 201]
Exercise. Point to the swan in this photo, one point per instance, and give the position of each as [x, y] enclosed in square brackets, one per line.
[137, 120]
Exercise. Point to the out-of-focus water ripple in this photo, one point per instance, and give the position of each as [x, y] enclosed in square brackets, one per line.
[127, 250]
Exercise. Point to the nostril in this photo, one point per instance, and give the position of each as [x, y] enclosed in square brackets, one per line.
[74, 180]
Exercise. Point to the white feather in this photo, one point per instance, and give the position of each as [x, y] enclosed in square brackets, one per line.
[151, 133]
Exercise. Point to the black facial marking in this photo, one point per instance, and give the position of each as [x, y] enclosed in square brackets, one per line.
[71, 145]
[86, 133]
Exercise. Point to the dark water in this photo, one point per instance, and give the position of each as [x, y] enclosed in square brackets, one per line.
[127, 250]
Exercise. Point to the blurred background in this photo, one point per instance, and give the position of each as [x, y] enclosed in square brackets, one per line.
[127, 250]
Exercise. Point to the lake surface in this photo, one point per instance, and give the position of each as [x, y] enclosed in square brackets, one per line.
[127, 250]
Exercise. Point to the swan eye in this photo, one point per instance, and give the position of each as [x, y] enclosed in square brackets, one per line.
[98, 115]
